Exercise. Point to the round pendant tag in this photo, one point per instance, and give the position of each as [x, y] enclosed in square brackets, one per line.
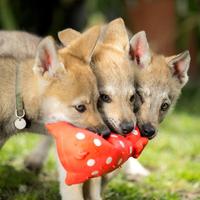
[20, 123]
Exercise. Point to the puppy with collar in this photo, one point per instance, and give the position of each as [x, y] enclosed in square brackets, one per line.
[55, 85]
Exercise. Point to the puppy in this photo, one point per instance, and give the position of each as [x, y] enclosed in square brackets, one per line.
[158, 82]
[115, 78]
[50, 91]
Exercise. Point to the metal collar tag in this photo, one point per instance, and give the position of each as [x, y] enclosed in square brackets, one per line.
[20, 122]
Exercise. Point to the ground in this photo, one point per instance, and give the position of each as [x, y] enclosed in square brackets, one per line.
[173, 158]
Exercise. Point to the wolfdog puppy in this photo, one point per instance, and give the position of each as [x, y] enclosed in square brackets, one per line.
[50, 91]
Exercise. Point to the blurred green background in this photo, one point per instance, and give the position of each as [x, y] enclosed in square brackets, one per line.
[173, 157]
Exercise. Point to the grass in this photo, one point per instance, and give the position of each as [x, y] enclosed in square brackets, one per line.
[173, 158]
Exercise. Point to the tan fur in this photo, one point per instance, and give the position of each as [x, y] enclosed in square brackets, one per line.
[18, 44]
[113, 70]
[70, 86]
[68, 35]
[71, 83]
[154, 78]
[115, 77]
[158, 81]
[76, 84]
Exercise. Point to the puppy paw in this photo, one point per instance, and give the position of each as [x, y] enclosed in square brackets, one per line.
[134, 171]
[34, 164]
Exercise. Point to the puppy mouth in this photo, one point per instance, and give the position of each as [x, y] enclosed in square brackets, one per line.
[153, 136]
[115, 129]
[111, 124]
[112, 127]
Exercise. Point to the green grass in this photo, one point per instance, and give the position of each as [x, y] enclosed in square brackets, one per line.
[173, 158]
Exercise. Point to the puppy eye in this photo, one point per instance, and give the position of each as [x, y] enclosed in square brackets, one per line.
[132, 98]
[105, 98]
[164, 106]
[80, 108]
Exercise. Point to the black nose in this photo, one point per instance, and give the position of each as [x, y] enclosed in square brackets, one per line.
[104, 131]
[127, 127]
[148, 130]
[101, 130]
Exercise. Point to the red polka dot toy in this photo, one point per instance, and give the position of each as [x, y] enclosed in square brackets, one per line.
[85, 155]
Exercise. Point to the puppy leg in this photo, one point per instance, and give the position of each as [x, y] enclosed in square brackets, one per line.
[36, 158]
[134, 170]
[94, 189]
[108, 177]
[74, 192]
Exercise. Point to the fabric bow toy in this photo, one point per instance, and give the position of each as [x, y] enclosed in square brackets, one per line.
[85, 155]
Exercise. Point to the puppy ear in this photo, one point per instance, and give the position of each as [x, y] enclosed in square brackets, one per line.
[179, 65]
[116, 34]
[46, 61]
[139, 49]
[68, 35]
[83, 47]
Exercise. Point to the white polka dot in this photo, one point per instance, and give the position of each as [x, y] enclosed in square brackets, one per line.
[108, 160]
[120, 161]
[91, 162]
[122, 144]
[94, 173]
[80, 136]
[97, 142]
[114, 136]
[135, 132]
[131, 150]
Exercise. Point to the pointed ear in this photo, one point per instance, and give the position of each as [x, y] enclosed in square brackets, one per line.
[46, 61]
[68, 35]
[179, 65]
[116, 34]
[83, 47]
[139, 49]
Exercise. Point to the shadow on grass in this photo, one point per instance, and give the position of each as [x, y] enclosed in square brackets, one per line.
[24, 185]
